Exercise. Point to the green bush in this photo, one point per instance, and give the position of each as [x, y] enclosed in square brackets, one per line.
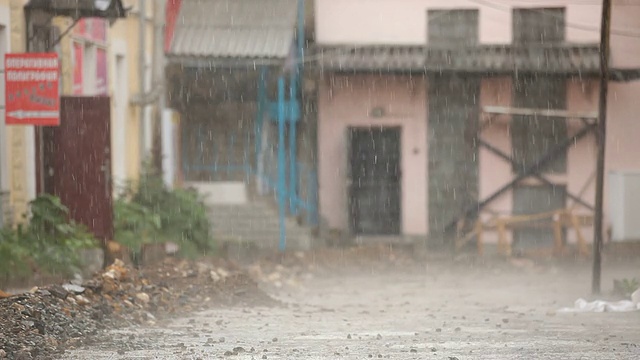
[135, 224]
[150, 212]
[49, 241]
[14, 257]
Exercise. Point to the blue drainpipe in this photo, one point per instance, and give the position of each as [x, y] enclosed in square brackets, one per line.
[293, 169]
[281, 165]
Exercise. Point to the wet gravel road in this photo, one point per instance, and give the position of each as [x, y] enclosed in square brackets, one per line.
[435, 312]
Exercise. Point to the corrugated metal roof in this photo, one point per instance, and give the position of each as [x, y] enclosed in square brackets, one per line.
[231, 29]
[475, 59]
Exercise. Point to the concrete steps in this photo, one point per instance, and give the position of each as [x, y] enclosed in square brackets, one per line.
[254, 227]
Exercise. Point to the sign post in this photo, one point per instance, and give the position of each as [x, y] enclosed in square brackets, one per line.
[31, 89]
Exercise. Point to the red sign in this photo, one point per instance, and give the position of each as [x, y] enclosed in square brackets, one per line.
[77, 59]
[32, 89]
[93, 29]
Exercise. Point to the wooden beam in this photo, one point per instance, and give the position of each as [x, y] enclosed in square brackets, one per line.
[529, 171]
[504, 110]
[557, 235]
[479, 232]
[503, 244]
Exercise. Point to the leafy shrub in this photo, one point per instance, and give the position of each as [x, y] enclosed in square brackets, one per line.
[14, 263]
[52, 238]
[49, 241]
[151, 212]
[135, 224]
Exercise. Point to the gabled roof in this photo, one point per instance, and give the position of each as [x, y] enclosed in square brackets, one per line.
[231, 30]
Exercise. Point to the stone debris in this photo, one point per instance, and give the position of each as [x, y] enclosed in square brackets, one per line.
[43, 322]
[76, 289]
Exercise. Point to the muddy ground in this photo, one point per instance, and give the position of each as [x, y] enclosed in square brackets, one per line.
[396, 310]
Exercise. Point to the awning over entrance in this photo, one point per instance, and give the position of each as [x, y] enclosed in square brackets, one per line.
[110, 9]
[567, 59]
[230, 32]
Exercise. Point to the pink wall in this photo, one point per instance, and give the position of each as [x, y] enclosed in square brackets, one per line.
[404, 21]
[345, 101]
[625, 33]
[623, 127]
[495, 172]
[622, 145]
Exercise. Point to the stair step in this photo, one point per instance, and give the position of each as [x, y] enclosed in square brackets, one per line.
[255, 224]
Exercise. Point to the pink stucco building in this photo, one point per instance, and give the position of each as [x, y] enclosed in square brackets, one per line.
[405, 145]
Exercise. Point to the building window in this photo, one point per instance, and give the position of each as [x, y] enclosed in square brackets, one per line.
[89, 71]
[540, 25]
[452, 27]
[90, 57]
[533, 137]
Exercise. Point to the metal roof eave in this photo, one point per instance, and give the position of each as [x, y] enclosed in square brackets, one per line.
[224, 62]
[615, 75]
[466, 71]
[624, 75]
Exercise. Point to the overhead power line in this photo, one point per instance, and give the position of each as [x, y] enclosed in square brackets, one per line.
[620, 32]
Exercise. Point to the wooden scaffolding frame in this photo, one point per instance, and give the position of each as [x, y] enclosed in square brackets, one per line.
[560, 218]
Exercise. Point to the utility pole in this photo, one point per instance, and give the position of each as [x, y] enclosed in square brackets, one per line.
[605, 26]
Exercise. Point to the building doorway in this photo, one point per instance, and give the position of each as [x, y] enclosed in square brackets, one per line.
[374, 181]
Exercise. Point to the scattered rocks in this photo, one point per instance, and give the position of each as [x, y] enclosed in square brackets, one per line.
[81, 300]
[55, 290]
[76, 289]
[39, 324]
[143, 298]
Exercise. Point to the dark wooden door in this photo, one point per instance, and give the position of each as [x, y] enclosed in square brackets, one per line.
[374, 191]
[453, 154]
[77, 162]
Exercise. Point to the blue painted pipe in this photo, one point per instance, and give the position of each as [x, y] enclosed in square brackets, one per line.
[293, 171]
[281, 166]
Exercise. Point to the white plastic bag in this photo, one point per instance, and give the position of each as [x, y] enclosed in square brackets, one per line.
[582, 305]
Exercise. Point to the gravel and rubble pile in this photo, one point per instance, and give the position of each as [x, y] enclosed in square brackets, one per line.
[41, 323]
